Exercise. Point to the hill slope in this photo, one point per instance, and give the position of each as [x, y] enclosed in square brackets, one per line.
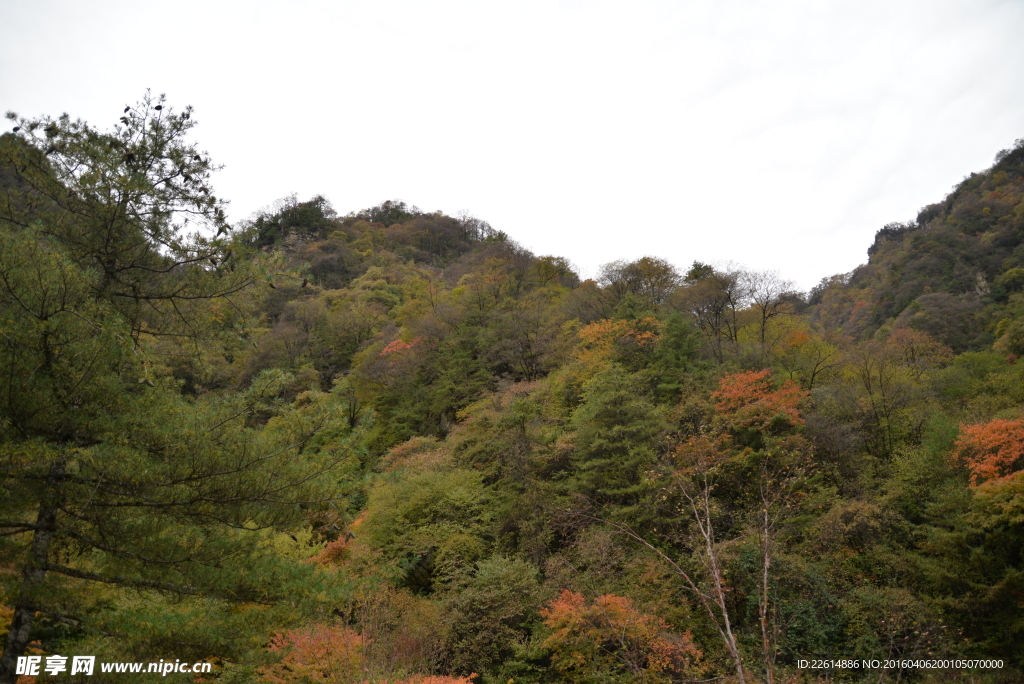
[955, 272]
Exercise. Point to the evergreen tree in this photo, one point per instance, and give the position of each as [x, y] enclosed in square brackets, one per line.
[109, 477]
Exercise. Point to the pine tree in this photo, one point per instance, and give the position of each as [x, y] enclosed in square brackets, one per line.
[109, 477]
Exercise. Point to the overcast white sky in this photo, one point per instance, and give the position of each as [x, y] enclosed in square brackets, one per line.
[779, 135]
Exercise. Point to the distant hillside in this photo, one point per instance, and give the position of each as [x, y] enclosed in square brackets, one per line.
[956, 272]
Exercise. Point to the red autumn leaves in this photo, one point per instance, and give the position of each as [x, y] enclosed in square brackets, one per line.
[325, 654]
[993, 450]
[612, 632]
[748, 401]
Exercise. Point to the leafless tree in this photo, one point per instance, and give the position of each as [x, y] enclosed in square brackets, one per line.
[769, 296]
[651, 279]
[715, 297]
[695, 483]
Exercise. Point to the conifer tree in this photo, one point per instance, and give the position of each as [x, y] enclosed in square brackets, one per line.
[109, 477]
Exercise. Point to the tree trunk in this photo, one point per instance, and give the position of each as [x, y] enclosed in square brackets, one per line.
[767, 643]
[33, 576]
[715, 570]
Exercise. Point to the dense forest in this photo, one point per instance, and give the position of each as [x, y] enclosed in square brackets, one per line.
[395, 445]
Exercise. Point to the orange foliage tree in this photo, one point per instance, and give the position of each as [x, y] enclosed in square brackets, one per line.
[322, 654]
[316, 653]
[991, 450]
[749, 412]
[747, 401]
[607, 339]
[918, 351]
[611, 635]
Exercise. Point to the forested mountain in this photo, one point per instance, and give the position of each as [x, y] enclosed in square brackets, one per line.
[952, 273]
[396, 445]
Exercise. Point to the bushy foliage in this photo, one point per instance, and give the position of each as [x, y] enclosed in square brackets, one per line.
[992, 450]
[315, 653]
[747, 401]
[610, 638]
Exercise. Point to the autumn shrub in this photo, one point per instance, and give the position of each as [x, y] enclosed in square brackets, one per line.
[625, 341]
[918, 351]
[747, 402]
[317, 653]
[324, 654]
[404, 633]
[609, 638]
[991, 450]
